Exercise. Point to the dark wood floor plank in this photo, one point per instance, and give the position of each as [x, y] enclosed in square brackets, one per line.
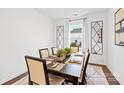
[15, 79]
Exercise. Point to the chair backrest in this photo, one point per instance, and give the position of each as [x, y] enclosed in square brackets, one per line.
[86, 50]
[74, 49]
[37, 71]
[86, 60]
[44, 53]
[54, 50]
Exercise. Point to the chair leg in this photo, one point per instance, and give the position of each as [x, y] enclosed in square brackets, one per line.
[85, 80]
[62, 83]
[82, 83]
[66, 82]
[30, 83]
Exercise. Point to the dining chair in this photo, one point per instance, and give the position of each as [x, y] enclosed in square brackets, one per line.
[85, 51]
[74, 49]
[54, 50]
[44, 53]
[84, 63]
[38, 73]
[82, 79]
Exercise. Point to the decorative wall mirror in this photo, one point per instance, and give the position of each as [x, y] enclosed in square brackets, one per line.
[96, 37]
[119, 27]
[60, 36]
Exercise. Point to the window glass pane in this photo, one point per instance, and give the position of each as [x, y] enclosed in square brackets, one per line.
[75, 34]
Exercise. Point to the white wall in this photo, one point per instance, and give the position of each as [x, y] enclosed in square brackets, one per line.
[98, 16]
[115, 53]
[22, 32]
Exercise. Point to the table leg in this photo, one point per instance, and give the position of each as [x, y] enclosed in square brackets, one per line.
[75, 81]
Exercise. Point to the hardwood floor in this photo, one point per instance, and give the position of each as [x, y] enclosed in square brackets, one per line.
[108, 77]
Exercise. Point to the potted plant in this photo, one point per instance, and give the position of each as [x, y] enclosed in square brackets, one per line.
[68, 51]
[61, 53]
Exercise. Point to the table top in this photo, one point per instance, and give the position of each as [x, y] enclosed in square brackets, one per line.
[73, 70]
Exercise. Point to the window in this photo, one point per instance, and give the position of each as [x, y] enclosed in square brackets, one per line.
[75, 35]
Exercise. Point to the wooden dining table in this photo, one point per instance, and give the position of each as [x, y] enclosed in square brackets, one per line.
[70, 68]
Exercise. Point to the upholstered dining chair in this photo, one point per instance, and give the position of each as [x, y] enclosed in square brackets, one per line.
[74, 49]
[44, 53]
[85, 51]
[54, 50]
[38, 74]
[82, 79]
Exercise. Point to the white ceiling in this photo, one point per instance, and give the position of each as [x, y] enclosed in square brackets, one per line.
[60, 13]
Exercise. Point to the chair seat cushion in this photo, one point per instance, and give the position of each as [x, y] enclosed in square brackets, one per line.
[55, 80]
